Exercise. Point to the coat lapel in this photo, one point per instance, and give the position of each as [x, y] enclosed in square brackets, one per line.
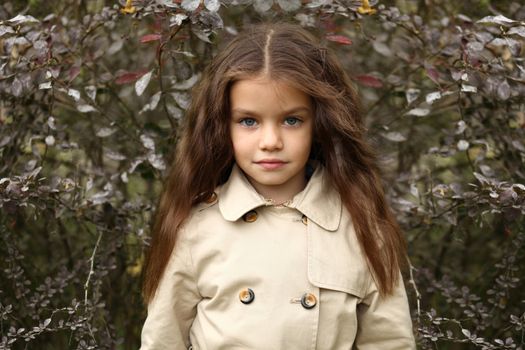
[319, 201]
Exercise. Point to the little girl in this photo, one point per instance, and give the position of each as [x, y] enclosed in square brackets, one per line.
[273, 231]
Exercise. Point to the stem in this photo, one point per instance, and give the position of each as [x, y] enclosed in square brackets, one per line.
[414, 286]
[91, 270]
[159, 60]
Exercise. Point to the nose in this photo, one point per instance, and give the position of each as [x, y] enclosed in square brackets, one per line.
[270, 138]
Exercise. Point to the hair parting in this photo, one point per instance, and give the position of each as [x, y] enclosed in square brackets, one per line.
[267, 53]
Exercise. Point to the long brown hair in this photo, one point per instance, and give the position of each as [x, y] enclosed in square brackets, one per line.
[204, 155]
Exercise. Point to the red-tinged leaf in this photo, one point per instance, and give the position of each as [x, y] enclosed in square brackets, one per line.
[328, 24]
[340, 39]
[182, 37]
[369, 80]
[157, 24]
[474, 62]
[150, 37]
[433, 74]
[73, 73]
[130, 77]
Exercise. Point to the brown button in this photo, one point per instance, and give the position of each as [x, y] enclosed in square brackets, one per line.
[212, 198]
[250, 216]
[246, 295]
[304, 219]
[308, 300]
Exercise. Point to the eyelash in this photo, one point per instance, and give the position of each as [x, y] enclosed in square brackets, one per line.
[297, 121]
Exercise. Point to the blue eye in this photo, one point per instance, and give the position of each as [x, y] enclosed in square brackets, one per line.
[292, 121]
[248, 122]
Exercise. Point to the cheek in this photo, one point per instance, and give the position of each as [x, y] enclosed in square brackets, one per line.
[234, 137]
[240, 143]
[299, 148]
[303, 143]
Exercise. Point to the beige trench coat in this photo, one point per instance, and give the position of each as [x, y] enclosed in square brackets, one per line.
[249, 275]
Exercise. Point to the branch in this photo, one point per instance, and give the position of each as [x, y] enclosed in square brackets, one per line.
[91, 270]
[413, 283]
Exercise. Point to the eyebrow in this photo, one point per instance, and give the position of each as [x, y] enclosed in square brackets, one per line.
[292, 110]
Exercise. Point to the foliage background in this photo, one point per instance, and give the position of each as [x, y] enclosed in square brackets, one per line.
[91, 96]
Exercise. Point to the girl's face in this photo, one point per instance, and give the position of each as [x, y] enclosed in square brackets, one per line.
[271, 127]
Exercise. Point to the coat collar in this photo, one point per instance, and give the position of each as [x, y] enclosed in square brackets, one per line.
[319, 200]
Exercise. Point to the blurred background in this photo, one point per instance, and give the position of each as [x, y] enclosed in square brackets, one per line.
[92, 93]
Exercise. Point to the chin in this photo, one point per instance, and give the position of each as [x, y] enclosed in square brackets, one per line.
[269, 181]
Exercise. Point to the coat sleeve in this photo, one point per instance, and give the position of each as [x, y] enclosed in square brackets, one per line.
[384, 322]
[173, 308]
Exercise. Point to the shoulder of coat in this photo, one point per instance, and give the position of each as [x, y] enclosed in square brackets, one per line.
[201, 213]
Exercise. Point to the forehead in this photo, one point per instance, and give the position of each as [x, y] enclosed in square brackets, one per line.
[267, 94]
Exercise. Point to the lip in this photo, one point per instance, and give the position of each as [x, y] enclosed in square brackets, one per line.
[271, 164]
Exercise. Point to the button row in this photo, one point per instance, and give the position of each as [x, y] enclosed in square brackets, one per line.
[308, 300]
[252, 215]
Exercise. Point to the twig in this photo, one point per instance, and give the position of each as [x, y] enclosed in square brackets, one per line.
[91, 271]
[413, 283]
[159, 61]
